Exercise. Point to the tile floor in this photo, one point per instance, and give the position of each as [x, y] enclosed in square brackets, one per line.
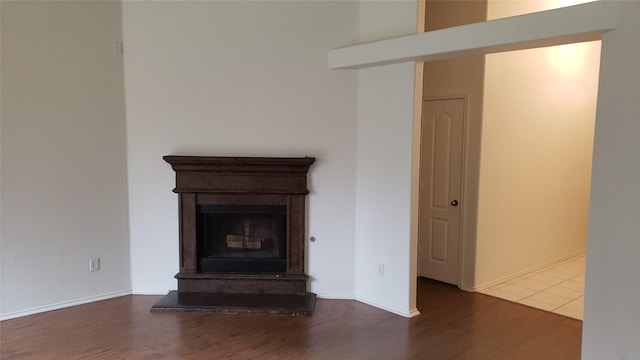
[558, 288]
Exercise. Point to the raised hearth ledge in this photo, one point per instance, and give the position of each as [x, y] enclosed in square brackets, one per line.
[237, 303]
[242, 283]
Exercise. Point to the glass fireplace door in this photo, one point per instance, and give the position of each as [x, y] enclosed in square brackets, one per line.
[243, 239]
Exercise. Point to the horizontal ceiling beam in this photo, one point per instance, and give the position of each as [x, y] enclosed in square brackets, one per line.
[584, 22]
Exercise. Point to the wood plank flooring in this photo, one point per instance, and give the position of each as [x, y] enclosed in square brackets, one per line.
[453, 325]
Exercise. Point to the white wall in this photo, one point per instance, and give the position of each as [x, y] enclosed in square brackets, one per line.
[1, 159]
[384, 159]
[611, 320]
[63, 156]
[537, 144]
[248, 79]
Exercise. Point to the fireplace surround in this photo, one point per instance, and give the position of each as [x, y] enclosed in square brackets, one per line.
[241, 235]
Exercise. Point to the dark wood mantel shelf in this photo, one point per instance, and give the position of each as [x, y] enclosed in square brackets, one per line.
[258, 175]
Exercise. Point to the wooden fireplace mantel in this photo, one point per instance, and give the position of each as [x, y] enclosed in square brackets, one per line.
[259, 175]
[251, 181]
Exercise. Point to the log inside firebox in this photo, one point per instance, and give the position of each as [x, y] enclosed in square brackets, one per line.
[244, 242]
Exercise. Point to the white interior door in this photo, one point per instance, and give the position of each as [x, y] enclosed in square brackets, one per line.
[440, 189]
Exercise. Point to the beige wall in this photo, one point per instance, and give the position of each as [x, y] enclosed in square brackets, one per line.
[64, 182]
[537, 144]
[442, 14]
[454, 78]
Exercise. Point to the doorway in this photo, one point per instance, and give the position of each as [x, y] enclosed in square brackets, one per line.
[441, 189]
[504, 143]
[533, 184]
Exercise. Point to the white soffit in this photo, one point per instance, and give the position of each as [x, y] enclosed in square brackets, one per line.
[584, 22]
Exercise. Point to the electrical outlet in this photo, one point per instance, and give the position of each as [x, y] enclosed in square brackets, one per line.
[94, 264]
[117, 48]
[381, 270]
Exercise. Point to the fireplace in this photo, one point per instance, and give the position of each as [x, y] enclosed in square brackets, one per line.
[241, 235]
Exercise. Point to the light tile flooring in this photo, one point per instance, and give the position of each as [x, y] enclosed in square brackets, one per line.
[558, 288]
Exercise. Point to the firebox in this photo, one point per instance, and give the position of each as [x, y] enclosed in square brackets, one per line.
[241, 235]
[241, 239]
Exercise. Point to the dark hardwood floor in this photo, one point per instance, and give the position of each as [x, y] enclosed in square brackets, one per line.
[453, 325]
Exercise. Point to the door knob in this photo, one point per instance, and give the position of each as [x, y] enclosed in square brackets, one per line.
[454, 203]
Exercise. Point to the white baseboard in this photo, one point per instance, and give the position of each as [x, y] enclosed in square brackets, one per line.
[525, 271]
[467, 288]
[90, 299]
[393, 309]
[63, 304]
[335, 296]
[137, 291]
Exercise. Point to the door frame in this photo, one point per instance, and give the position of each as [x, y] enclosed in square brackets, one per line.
[462, 250]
